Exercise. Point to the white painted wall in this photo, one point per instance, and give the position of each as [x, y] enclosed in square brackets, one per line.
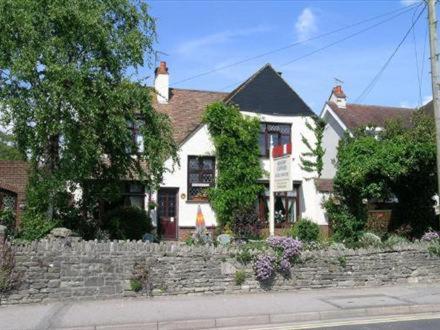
[333, 132]
[200, 144]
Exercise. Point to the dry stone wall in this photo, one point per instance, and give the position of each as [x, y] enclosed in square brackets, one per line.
[62, 269]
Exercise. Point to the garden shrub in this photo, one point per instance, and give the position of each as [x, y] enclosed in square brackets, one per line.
[142, 278]
[9, 277]
[345, 226]
[369, 240]
[127, 223]
[240, 277]
[7, 219]
[305, 230]
[35, 226]
[393, 240]
[245, 223]
[434, 248]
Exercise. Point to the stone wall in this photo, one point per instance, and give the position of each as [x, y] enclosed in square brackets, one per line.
[58, 270]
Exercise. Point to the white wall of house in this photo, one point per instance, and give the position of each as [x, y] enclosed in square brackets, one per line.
[200, 144]
[333, 132]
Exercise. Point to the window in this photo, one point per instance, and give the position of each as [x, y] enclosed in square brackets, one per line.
[134, 194]
[287, 207]
[201, 175]
[137, 138]
[279, 132]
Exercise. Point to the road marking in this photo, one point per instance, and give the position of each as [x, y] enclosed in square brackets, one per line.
[318, 324]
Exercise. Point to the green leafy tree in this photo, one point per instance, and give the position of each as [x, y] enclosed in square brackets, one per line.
[8, 151]
[399, 162]
[64, 88]
[235, 139]
[312, 160]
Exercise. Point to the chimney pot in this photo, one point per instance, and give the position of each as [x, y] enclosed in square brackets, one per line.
[338, 96]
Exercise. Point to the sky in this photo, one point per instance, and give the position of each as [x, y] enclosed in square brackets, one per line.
[194, 37]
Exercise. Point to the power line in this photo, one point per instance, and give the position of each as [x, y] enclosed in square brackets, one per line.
[416, 57]
[376, 78]
[338, 41]
[401, 10]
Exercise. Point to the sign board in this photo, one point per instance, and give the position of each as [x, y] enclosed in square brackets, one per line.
[282, 178]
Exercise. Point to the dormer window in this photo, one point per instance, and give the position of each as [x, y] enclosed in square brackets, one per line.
[280, 133]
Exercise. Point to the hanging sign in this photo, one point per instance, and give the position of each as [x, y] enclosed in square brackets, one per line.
[282, 167]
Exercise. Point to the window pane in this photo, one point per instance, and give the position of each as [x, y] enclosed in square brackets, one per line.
[139, 142]
[263, 127]
[135, 188]
[194, 178]
[284, 129]
[275, 139]
[285, 139]
[208, 163]
[262, 144]
[193, 163]
[136, 201]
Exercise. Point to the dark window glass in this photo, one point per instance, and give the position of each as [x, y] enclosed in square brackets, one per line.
[280, 134]
[134, 194]
[201, 176]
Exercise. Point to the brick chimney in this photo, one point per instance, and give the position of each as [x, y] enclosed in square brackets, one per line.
[162, 83]
[338, 96]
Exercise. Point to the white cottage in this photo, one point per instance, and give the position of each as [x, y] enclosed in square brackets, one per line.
[283, 115]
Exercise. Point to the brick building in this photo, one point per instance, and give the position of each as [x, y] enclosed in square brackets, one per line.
[13, 182]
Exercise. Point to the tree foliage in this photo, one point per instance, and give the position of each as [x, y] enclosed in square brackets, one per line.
[399, 162]
[65, 90]
[8, 150]
[312, 160]
[235, 139]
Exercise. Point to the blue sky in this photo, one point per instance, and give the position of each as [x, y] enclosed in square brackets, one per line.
[198, 36]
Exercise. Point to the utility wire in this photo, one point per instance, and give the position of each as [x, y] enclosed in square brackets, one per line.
[419, 83]
[401, 10]
[338, 41]
[376, 78]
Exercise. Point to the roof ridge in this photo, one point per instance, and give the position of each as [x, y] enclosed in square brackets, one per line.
[379, 106]
[198, 90]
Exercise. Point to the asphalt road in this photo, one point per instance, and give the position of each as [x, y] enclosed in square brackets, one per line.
[432, 324]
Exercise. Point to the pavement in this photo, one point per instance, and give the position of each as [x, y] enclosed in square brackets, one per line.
[293, 309]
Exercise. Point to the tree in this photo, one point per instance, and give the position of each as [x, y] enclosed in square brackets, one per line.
[312, 160]
[399, 162]
[235, 139]
[8, 151]
[65, 90]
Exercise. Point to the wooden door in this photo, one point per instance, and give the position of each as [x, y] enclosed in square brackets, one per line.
[167, 212]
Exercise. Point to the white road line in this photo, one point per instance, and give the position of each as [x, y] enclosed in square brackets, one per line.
[336, 323]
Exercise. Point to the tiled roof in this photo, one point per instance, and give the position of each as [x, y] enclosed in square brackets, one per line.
[358, 115]
[324, 185]
[185, 109]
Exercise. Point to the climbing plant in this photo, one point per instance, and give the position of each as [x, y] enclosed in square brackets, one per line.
[312, 160]
[235, 138]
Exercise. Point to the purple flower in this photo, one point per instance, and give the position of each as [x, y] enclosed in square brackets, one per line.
[430, 236]
[284, 266]
[290, 247]
[263, 267]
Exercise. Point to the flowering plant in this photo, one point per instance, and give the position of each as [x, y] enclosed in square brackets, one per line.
[286, 250]
[279, 216]
[430, 236]
[263, 267]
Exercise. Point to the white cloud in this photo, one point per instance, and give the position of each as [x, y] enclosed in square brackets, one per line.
[409, 2]
[305, 24]
[192, 46]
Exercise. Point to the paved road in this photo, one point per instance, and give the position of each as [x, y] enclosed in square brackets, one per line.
[204, 312]
[430, 324]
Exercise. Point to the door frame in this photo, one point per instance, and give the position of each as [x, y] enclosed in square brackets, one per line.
[176, 190]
